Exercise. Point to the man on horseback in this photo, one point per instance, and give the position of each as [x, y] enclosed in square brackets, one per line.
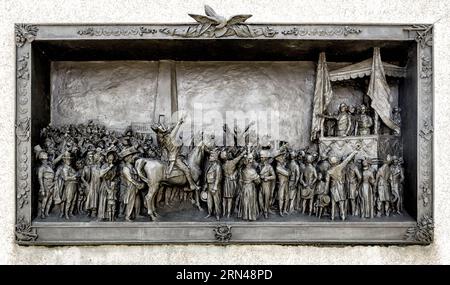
[167, 140]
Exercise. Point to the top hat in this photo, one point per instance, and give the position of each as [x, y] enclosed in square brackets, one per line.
[128, 151]
[38, 149]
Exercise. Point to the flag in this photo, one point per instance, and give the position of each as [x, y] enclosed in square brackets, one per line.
[380, 93]
[322, 97]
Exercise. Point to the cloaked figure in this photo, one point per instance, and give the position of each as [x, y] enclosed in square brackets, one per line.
[249, 196]
[366, 192]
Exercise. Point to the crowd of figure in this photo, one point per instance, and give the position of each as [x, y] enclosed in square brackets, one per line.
[89, 170]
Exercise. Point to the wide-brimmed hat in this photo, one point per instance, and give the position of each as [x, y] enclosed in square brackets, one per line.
[306, 192]
[128, 151]
[324, 200]
[67, 154]
[204, 195]
[279, 153]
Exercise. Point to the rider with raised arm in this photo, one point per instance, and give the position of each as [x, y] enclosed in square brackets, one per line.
[167, 140]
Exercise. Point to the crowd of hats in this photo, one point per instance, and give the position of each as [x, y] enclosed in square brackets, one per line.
[76, 141]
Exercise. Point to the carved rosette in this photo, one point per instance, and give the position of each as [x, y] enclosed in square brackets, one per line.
[422, 232]
[24, 232]
[25, 33]
[223, 233]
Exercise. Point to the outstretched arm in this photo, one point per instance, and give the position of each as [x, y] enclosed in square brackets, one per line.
[348, 159]
[326, 116]
[174, 131]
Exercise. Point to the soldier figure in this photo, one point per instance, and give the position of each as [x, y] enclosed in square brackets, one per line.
[213, 185]
[131, 182]
[353, 179]
[396, 178]
[283, 183]
[68, 188]
[230, 181]
[167, 140]
[383, 187]
[308, 180]
[268, 177]
[46, 177]
[294, 178]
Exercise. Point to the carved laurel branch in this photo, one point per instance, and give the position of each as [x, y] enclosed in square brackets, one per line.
[239, 30]
[24, 231]
[22, 131]
[426, 194]
[24, 33]
[422, 231]
[335, 31]
[426, 67]
[223, 233]
[424, 34]
[426, 132]
[90, 31]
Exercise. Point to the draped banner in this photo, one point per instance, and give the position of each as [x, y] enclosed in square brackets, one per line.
[379, 91]
[322, 97]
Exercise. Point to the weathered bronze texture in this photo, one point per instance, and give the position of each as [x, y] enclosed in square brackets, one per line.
[105, 152]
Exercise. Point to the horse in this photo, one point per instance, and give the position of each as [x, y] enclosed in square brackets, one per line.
[153, 172]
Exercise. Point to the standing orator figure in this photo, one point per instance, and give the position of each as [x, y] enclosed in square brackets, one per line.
[344, 121]
[365, 122]
[167, 140]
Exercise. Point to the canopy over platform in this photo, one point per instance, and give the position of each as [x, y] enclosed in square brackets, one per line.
[364, 68]
[378, 89]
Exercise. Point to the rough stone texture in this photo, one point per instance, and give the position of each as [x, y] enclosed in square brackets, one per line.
[254, 90]
[83, 91]
[320, 11]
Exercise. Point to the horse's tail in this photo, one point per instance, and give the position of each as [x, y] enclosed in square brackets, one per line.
[139, 165]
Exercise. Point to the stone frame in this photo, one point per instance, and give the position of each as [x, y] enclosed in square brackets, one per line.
[28, 232]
